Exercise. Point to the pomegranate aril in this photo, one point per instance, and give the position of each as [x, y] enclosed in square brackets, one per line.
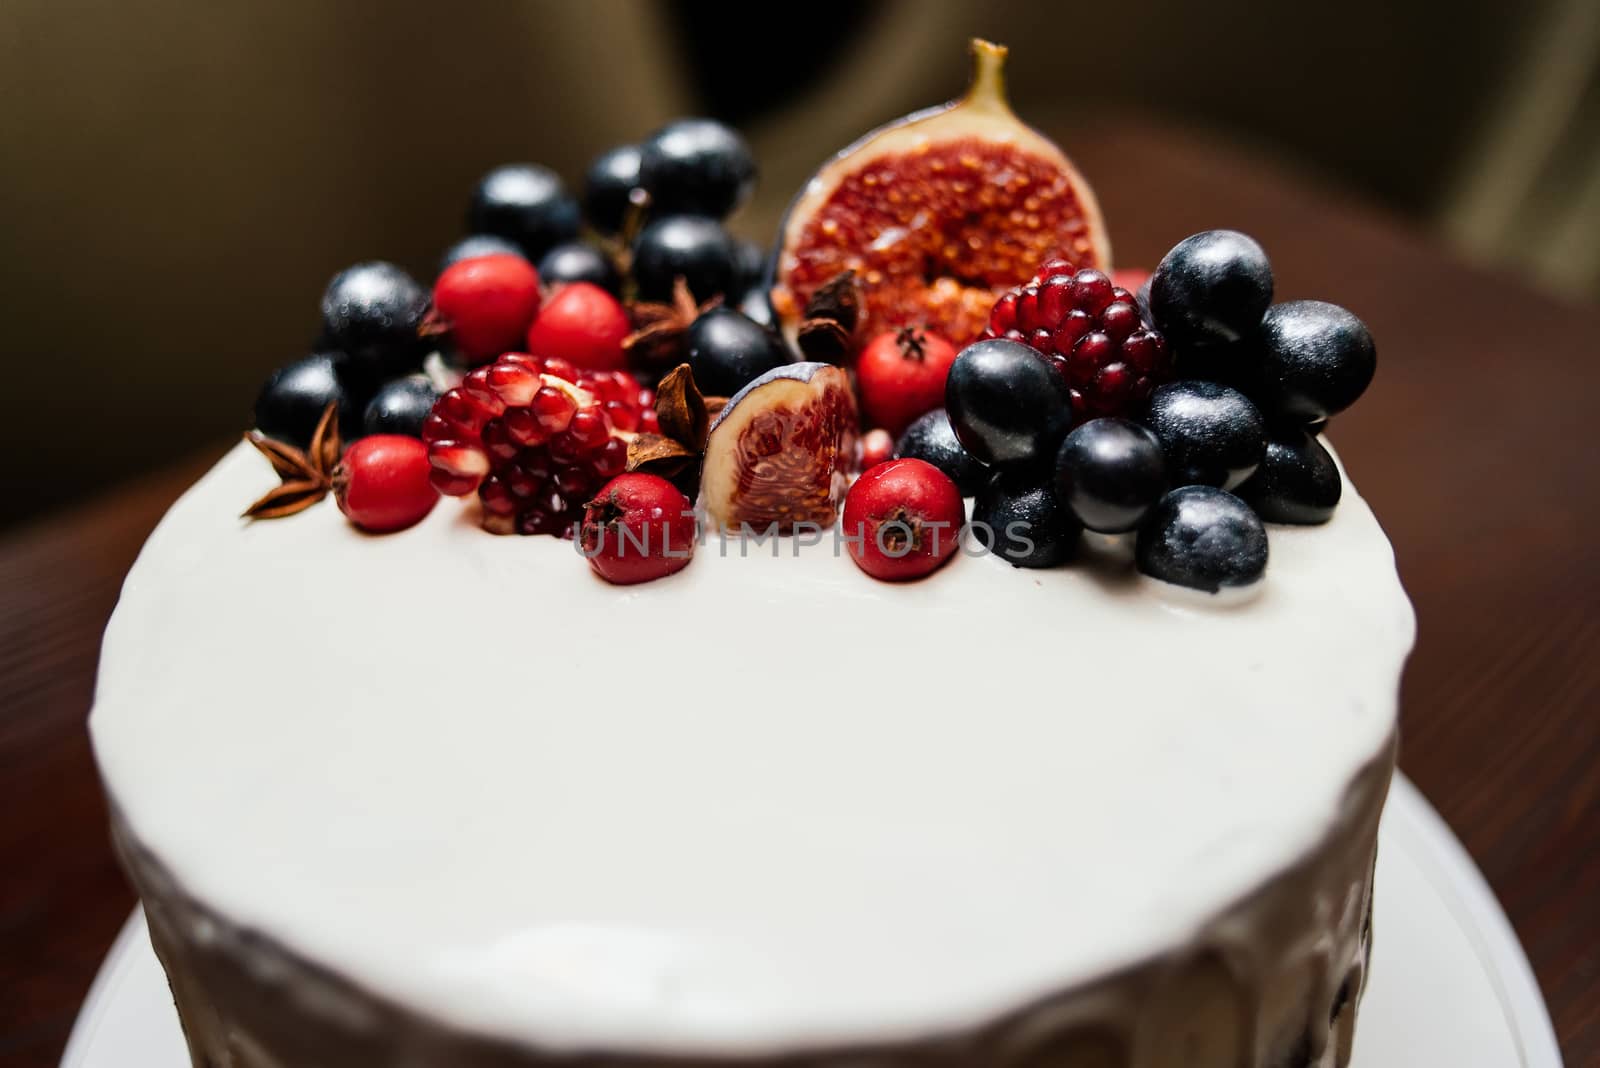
[553, 408]
[1055, 300]
[496, 498]
[523, 427]
[1143, 351]
[1004, 315]
[497, 441]
[622, 416]
[513, 384]
[563, 450]
[1055, 268]
[460, 409]
[452, 485]
[521, 484]
[1028, 309]
[436, 428]
[572, 481]
[1088, 356]
[560, 368]
[1073, 327]
[612, 459]
[477, 388]
[1119, 320]
[1091, 291]
[649, 421]
[589, 430]
[1040, 339]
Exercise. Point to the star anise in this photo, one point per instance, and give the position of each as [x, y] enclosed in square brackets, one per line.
[685, 421]
[305, 476]
[657, 339]
[828, 327]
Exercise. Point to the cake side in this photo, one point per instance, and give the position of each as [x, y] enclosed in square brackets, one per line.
[374, 804]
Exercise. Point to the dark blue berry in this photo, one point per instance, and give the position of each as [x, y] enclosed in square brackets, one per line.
[1203, 538]
[931, 438]
[1316, 360]
[1111, 472]
[371, 314]
[400, 407]
[1021, 519]
[698, 167]
[1211, 434]
[1007, 402]
[693, 247]
[294, 397]
[1297, 482]
[750, 263]
[1211, 288]
[728, 350]
[470, 248]
[525, 204]
[608, 187]
[579, 261]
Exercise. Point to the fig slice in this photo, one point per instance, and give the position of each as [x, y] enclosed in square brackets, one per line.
[938, 213]
[779, 452]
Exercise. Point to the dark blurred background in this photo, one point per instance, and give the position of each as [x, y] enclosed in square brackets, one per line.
[178, 180]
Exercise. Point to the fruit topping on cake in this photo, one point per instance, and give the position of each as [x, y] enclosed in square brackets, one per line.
[400, 407]
[727, 350]
[1316, 360]
[372, 317]
[1092, 330]
[637, 528]
[876, 447]
[579, 261]
[1297, 482]
[1211, 434]
[902, 520]
[696, 167]
[938, 214]
[1211, 289]
[525, 204]
[584, 325]
[534, 439]
[486, 304]
[382, 483]
[780, 452]
[1007, 403]
[1024, 521]
[1203, 538]
[901, 374]
[1111, 472]
[930, 437]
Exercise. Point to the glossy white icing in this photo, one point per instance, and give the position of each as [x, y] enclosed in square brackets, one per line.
[765, 803]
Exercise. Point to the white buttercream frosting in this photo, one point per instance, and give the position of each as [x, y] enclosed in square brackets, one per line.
[766, 802]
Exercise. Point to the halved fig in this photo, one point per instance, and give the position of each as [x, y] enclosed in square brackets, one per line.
[938, 213]
[780, 452]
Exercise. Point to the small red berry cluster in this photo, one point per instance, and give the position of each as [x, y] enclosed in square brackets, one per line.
[1093, 331]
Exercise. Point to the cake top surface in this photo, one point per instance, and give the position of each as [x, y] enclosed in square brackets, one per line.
[757, 802]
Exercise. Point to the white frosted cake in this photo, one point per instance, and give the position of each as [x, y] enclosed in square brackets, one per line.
[443, 798]
[1004, 679]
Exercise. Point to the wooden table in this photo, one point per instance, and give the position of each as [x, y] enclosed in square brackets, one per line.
[1476, 447]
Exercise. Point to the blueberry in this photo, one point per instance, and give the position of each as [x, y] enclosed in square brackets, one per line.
[1203, 538]
[1297, 482]
[757, 305]
[608, 187]
[727, 350]
[294, 397]
[1023, 520]
[579, 261]
[400, 407]
[477, 245]
[1111, 472]
[1008, 404]
[526, 204]
[750, 263]
[930, 437]
[370, 315]
[697, 166]
[691, 246]
[1316, 360]
[1211, 434]
[1211, 288]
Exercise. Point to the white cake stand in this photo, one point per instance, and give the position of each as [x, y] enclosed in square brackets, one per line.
[1450, 983]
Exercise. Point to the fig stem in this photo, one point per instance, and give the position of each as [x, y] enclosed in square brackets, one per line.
[987, 89]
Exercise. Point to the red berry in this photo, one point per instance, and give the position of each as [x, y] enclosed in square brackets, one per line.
[903, 519]
[583, 324]
[876, 447]
[487, 302]
[1093, 329]
[901, 375]
[382, 483]
[637, 528]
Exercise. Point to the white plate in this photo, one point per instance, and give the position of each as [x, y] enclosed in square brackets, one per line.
[1450, 984]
